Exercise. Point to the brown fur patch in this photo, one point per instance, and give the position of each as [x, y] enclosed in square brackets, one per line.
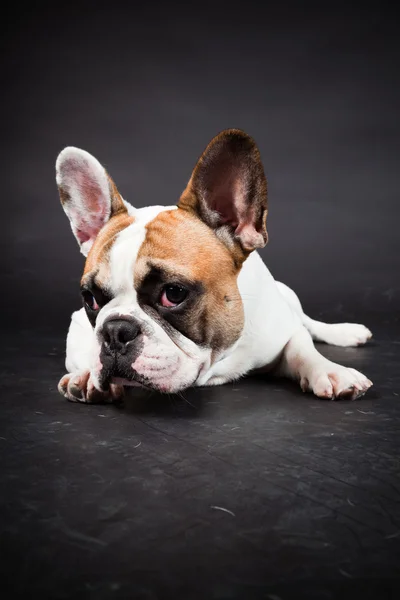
[183, 246]
[228, 191]
[64, 197]
[100, 251]
[117, 204]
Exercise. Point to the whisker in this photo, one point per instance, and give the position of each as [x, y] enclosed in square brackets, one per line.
[185, 399]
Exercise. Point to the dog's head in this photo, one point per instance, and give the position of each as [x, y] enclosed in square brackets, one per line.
[160, 284]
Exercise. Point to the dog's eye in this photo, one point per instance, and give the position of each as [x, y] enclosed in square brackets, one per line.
[173, 295]
[90, 300]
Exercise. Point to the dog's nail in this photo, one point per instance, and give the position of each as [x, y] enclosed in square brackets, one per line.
[62, 388]
[76, 392]
[116, 391]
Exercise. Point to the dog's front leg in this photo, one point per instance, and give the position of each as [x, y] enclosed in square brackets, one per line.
[315, 373]
[78, 385]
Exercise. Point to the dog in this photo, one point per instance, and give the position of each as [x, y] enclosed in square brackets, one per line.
[177, 296]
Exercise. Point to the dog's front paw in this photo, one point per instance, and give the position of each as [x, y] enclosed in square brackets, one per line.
[336, 382]
[78, 387]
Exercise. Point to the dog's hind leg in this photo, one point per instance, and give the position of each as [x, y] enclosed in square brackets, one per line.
[337, 334]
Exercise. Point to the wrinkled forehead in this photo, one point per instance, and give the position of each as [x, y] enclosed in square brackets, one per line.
[164, 238]
[122, 233]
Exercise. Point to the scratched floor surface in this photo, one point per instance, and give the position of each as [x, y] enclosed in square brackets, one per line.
[249, 491]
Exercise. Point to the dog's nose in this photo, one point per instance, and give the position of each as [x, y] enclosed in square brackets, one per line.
[117, 333]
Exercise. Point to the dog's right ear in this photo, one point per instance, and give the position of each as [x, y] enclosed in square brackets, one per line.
[88, 194]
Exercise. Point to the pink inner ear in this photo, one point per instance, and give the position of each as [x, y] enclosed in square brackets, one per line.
[87, 226]
[249, 236]
[82, 236]
[225, 207]
[91, 191]
[227, 199]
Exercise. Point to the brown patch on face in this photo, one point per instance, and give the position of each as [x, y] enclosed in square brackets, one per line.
[100, 251]
[180, 248]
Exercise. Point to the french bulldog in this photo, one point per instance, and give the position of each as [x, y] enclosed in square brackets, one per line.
[177, 296]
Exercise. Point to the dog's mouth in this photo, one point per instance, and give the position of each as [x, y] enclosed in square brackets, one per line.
[118, 375]
[129, 382]
[167, 382]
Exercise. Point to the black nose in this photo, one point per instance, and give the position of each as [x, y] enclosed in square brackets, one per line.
[117, 333]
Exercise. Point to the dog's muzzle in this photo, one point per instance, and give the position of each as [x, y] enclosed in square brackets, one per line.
[121, 342]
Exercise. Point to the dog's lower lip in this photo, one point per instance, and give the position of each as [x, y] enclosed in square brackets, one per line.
[126, 382]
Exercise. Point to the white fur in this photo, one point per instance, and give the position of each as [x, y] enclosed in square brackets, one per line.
[317, 374]
[274, 335]
[269, 324]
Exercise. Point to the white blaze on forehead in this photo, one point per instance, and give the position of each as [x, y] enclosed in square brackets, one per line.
[126, 248]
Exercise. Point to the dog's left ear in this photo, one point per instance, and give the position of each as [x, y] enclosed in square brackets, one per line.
[228, 191]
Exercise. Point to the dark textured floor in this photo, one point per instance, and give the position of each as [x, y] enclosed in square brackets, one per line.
[251, 490]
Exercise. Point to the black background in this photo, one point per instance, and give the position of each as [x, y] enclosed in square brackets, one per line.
[144, 87]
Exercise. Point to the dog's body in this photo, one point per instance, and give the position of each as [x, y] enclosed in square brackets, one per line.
[177, 296]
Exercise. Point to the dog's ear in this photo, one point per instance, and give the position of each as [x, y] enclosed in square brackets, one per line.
[228, 191]
[88, 194]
